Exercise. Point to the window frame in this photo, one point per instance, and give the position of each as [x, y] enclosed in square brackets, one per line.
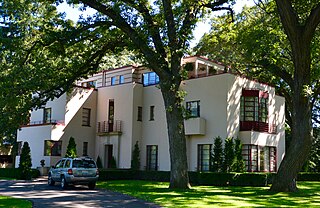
[86, 119]
[47, 119]
[201, 165]
[151, 115]
[139, 115]
[52, 146]
[85, 148]
[121, 79]
[152, 157]
[189, 107]
[113, 81]
[150, 78]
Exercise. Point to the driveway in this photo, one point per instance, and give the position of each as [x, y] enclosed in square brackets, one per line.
[46, 196]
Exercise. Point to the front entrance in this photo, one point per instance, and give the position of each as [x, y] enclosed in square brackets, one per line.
[108, 152]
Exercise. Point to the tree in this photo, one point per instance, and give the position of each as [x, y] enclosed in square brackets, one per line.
[228, 154]
[217, 155]
[238, 164]
[285, 53]
[300, 31]
[99, 162]
[135, 162]
[71, 148]
[25, 163]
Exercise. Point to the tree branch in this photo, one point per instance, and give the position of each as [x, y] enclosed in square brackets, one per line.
[312, 22]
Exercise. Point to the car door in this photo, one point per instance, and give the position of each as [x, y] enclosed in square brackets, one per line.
[56, 172]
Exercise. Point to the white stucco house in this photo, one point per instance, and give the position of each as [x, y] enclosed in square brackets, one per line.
[112, 110]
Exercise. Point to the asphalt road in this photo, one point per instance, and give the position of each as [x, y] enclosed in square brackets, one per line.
[44, 196]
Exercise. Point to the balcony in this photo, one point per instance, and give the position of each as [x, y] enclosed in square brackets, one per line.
[195, 126]
[258, 126]
[109, 128]
[43, 122]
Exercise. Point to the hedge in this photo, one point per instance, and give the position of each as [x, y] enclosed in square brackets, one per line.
[16, 173]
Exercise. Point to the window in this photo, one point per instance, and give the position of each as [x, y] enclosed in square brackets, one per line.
[152, 157]
[52, 148]
[113, 80]
[250, 157]
[47, 115]
[19, 148]
[60, 163]
[204, 158]
[85, 149]
[151, 113]
[193, 107]
[254, 111]
[150, 78]
[91, 84]
[86, 116]
[139, 113]
[121, 79]
[268, 159]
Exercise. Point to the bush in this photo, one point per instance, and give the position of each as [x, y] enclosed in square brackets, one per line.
[10, 173]
[238, 164]
[25, 162]
[106, 174]
[71, 148]
[308, 177]
[249, 179]
[214, 179]
[135, 162]
[228, 154]
[161, 176]
[217, 155]
[99, 163]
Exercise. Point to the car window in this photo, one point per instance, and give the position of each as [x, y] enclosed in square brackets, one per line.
[83, 164]
[59, 164]
[67, 163]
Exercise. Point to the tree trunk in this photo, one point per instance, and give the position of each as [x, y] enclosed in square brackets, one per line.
[179, 178]
[301, 142]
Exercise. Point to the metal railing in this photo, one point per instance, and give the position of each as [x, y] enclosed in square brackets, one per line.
[111, 126]
[44, 122]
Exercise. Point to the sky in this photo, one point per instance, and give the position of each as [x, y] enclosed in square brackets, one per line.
[200, 30]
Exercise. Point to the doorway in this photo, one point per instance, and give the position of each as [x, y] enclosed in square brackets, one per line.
[108, 152]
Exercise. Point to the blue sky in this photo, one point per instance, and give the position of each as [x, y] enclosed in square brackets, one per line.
[202, 27]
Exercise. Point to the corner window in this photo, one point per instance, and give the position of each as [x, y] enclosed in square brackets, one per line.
[121, 79]
[204, 158]
[113, 80]
[152, 157]
[52, 148]
[193, 108]
[151, 113]
[139, 113]
[250, 157]
[86, 116]
[47, 115]
[150, 78]
[268, 159]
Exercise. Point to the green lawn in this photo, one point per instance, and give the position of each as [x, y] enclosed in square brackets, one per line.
[208, 196]
[14, 203]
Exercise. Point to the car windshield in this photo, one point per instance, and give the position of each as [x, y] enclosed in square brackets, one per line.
[83, 164]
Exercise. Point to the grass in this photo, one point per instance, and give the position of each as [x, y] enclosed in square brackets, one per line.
[6, 202]
[210, 196]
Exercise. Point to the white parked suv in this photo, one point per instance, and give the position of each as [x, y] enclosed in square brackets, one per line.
[67, 171]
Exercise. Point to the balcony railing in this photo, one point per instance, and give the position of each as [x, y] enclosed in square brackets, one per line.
[258, 126]
[43, 122]
[110, 127]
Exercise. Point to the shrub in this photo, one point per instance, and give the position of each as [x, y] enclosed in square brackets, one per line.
[249, 179]
[308, 177]
[10, 173]
[238, 164]
[107, 174]
[71, 148]
[99, 162]
[228, 154]
[25, 162]
[214, 179]
[217, 155]
[113, 163]
[135, 162]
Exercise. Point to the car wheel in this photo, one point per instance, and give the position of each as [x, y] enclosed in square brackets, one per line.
[63, 183]
[50, 180]
[92, 185]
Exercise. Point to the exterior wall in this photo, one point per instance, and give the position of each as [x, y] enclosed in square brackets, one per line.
[123, 104]
[57, 110]
[154, 132]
